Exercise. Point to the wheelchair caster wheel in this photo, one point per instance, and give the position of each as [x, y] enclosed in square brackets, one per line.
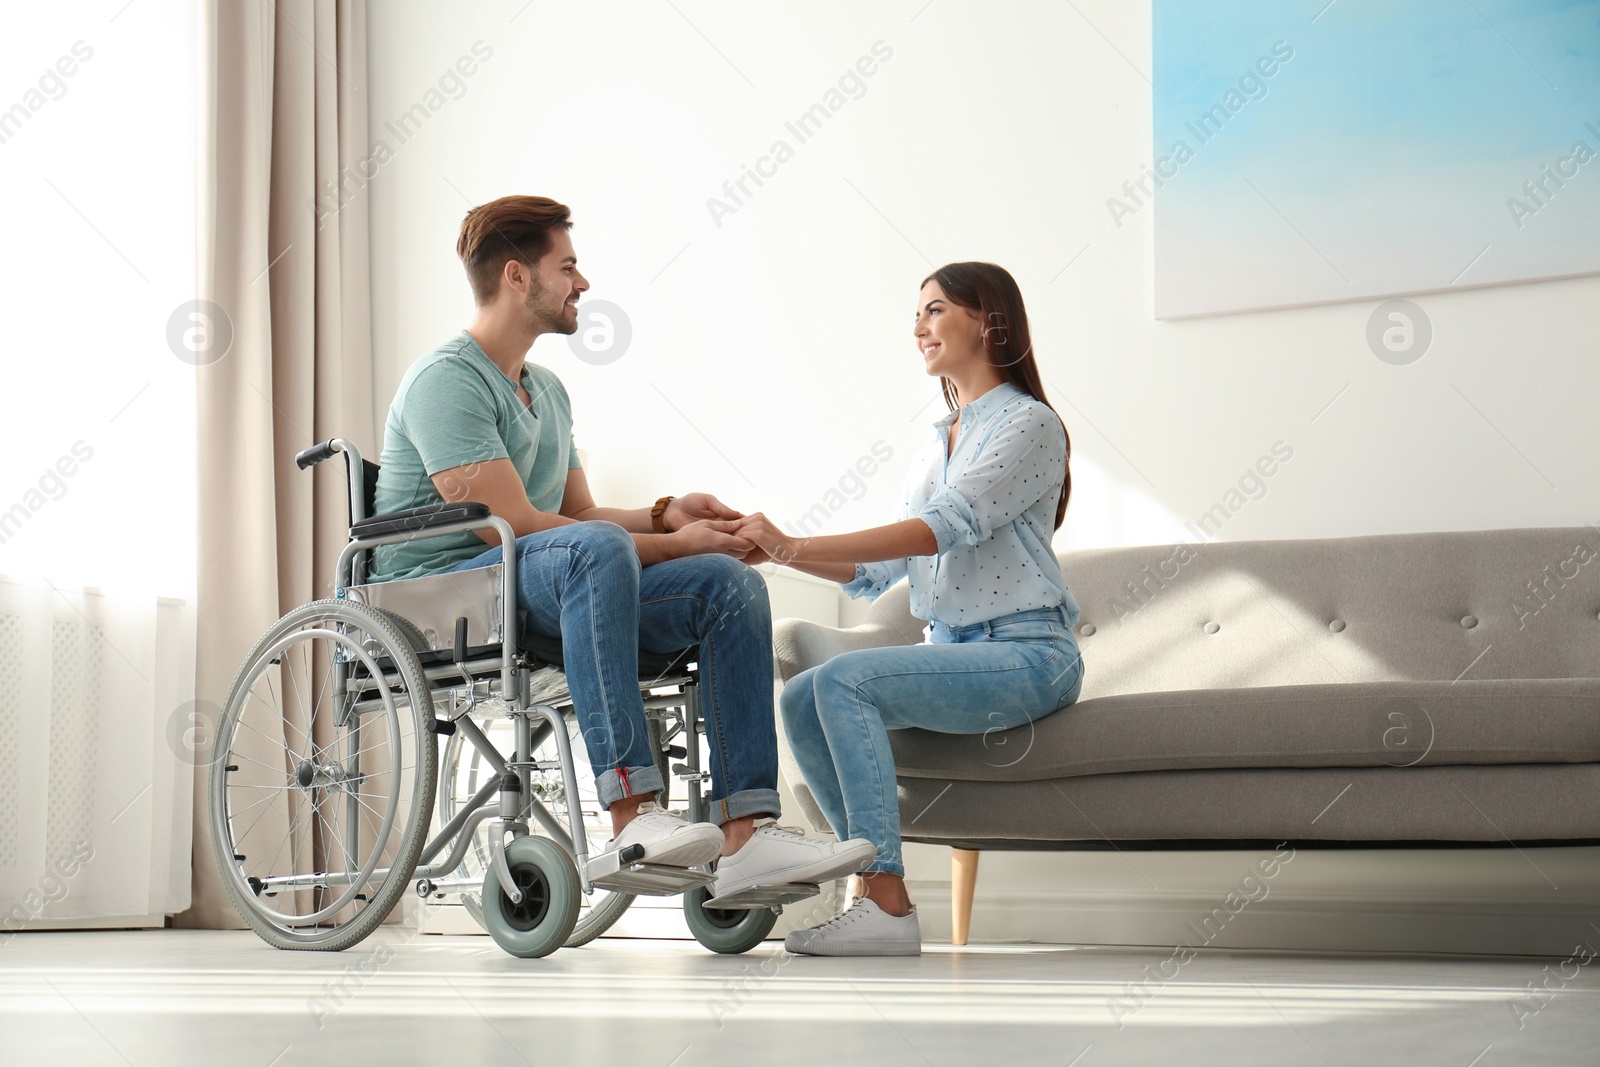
[543, 919]
[726, 930]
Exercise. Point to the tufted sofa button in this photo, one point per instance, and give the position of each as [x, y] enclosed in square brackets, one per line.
[1337, 625]
[1468, 621]
[1212, 627]
[1086, 629]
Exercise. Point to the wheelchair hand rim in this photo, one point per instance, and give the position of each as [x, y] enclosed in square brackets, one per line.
[265, 659]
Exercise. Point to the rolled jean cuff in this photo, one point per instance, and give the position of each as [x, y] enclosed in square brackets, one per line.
[889, 860]
[746, 802]
[609, 789]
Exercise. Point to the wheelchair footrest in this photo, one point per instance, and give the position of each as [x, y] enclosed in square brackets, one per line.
[645, 879]
[765, 896]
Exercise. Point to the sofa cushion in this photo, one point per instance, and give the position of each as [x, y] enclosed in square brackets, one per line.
[1527, 804]
[1356, 724]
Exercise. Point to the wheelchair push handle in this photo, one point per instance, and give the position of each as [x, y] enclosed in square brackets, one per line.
[317, 453]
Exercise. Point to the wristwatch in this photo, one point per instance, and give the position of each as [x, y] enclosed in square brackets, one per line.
[658, 514]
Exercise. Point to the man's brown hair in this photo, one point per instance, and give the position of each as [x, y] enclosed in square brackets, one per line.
[512, 227]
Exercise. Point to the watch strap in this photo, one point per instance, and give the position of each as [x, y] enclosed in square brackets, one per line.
[658, 514]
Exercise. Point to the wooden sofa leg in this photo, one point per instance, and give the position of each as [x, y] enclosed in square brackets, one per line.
[963, 879]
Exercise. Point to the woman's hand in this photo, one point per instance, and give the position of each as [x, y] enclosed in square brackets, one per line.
[773, 543]
[683, 510]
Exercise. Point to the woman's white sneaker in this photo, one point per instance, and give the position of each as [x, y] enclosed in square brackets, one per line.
[775, 855]
[668, 839]
[863, 930]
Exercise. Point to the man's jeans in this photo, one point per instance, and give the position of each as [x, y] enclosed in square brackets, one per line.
[582, 583]
[978, 679]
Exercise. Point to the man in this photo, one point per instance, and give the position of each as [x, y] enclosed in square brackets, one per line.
[473, 421]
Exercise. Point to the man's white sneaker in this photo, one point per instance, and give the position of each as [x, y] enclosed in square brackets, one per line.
[668, 839]
[776, 854]
[863, 930]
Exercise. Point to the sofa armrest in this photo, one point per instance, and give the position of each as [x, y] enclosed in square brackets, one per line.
[799, 644]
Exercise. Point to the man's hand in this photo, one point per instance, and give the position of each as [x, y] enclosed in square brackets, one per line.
[683, 510]
[718, 536]
[773, 543]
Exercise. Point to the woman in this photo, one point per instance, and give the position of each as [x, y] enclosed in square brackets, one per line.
[982, 503]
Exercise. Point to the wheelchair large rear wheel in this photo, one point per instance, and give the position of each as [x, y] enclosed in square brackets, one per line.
[322, 776]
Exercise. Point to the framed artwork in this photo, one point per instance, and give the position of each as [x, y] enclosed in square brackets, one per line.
[1315, 152]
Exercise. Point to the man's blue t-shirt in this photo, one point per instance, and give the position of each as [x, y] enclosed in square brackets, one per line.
[455, 408]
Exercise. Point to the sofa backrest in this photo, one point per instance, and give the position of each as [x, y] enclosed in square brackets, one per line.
[1521, 603]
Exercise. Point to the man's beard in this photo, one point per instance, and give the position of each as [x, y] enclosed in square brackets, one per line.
[548, 321]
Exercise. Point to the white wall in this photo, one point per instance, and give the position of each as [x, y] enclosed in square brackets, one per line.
[769, 353]
[994, 131]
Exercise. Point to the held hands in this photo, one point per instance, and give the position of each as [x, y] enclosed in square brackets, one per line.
[719, 536]
[771, 544]
[702, 523]
[683, 510]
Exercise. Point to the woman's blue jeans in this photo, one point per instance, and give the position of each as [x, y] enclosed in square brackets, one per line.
[582, 583]
[976, 679]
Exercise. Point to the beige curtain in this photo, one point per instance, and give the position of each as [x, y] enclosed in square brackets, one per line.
[283, 254]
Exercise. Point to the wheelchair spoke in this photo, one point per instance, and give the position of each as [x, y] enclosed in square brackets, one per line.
[278, 716]
[257, 819]
[326, 679]
[384, 743]
[239, 838]
[322, 751]
[299, 835]
[359, 793]
[276, 705]
[369, 807]
[270, 740]
[288, 669]
[259, 815]
[375, 813]
[277, 712]
[294, 825]
[253, 804]
[379, 796]
[265, 766]
[272, 792]
[338, 839]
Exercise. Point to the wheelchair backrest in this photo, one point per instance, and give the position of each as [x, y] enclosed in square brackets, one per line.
[369, 491]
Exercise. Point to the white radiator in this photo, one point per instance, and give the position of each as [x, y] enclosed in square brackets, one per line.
[97, 754]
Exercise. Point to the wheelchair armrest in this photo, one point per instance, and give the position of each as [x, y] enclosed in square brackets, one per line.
[414, 519]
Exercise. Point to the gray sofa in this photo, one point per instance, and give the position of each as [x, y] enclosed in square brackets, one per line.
[1426, 689]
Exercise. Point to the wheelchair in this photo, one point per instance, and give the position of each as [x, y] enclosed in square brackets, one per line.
[385, 702]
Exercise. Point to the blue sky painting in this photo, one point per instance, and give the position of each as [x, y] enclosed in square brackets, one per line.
[1310, 152]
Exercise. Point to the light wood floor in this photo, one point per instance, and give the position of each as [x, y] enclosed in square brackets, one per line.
[180, 997]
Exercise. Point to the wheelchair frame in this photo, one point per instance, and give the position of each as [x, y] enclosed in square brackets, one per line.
[514, 785]
[499, 674]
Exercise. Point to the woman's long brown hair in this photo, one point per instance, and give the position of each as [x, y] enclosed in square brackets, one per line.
[989, 290]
